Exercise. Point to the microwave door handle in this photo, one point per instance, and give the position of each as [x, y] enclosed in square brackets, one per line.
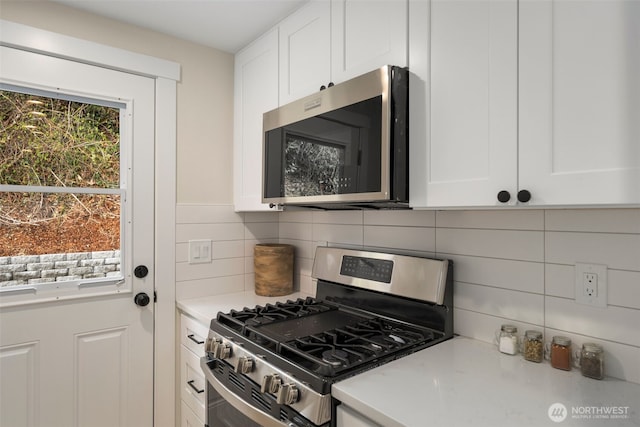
[256, 415]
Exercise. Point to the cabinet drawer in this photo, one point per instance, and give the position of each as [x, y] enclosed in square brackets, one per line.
[192, 382]
[189, 418]
[193, 334]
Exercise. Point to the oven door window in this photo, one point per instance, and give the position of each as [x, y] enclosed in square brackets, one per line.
[221, 413]
[338, 152]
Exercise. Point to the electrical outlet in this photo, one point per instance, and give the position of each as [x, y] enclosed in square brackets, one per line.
[591, 284]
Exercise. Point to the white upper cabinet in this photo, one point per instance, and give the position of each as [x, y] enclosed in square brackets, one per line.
[255, 92]
[329, 42]
[463, 102]
[305, 51]
[365, 35]
[579, 122]
[535, 98]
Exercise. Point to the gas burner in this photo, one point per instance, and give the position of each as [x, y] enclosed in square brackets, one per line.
[335, 357]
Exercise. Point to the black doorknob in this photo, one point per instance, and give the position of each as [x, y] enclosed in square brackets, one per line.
[524, 196]
[504, 196]
[142, 299]
[140, 271]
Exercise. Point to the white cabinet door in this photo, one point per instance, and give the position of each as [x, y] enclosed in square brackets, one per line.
[580, 101]
[255, 92]
[366, 35]
[463, 102]
[305, 51]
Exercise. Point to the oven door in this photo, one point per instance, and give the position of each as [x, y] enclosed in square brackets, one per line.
[226, 409]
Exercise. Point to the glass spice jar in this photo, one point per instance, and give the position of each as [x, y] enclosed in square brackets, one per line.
[592, 361]
[508, 340]
[561, 353]
[533, 346]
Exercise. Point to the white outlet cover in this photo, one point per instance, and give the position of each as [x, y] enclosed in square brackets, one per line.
[600, 298]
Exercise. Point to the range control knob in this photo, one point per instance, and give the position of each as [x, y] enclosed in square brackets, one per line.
[244, 365]
[221, 350]
[270, 383]
[287, 394]
[208, 345]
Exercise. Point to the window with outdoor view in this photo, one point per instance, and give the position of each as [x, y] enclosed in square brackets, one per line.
[60, 197]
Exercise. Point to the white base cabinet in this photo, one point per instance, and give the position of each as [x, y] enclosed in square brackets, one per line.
[348, 417]
[192, 381]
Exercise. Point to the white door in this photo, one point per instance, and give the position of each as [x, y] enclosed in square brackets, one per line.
[80, 353]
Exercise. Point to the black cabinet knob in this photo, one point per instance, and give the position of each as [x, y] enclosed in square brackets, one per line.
[504, 196]
[323, 87]
[272, 205]
[330, 84]
[142, 299]
[524, 196]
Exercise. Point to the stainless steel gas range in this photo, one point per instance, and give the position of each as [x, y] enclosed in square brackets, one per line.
[274, 365]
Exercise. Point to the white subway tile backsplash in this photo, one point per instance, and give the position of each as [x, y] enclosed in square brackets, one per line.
[337, 217]
[295, 231]
[616, 251]
[408, 218]
[216, 268]
[611, 323]
[206, 214]
[261, 230]
[261, 217]
[216, 232]
[593, 220]
[409, 238]
[623, 286]
[510, 266]
[505, 244]
[338, 233]
[484, 327]
[518, 306]
[502, 273]
[492, 219]
[209, 287]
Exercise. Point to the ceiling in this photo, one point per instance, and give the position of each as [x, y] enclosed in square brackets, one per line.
[227, 25]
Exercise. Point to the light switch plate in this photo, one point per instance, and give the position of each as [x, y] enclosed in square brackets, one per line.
[199, 251]
[591, 284]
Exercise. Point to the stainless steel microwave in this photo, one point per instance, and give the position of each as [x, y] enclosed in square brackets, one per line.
[343, 147]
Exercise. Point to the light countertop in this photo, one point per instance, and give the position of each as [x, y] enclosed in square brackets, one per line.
[465, 382]
[207, 308]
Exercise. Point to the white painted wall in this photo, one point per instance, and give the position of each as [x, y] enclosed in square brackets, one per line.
[205, 91]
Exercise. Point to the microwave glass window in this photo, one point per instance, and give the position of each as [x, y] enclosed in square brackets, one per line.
[338, 152]
[313, 167]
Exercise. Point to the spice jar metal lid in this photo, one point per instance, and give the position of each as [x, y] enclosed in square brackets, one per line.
[509, 328]
[592, 347]
[563, 341]
[533, 335]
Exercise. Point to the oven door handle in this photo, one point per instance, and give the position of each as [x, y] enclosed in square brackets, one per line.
[256, 415]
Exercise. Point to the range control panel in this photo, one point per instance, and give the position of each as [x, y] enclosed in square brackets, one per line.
[367, 268]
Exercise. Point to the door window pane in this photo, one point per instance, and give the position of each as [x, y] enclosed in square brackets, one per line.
[69, 227]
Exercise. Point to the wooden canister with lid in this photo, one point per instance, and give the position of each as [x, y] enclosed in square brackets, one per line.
[273, 268]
